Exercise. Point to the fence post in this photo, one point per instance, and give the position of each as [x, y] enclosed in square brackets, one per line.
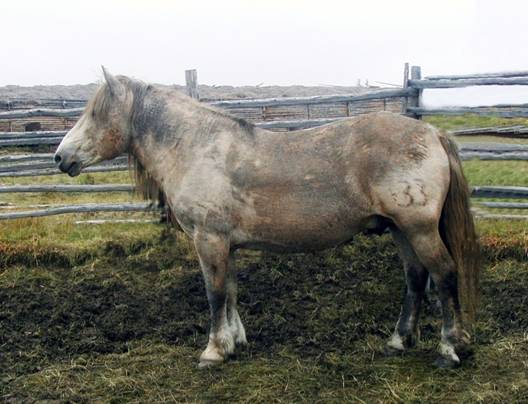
[191, 83]
[416, 101]
[405, 100]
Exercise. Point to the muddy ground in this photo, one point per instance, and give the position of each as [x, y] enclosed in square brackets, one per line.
[127, 321]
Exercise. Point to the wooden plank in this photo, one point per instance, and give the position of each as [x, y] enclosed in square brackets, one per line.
[415, 101]
[55, 171]
[191, 83]
[31, 141]
[17, 103]
[505, 205]
[51, 164]
[84, 208]
[479, 75]
[30, 135]
[9, 158]
[67, 188]
[495, 131]
[498, 81]
[499, 192]
[493, 147]
[318, 99]
[405, 85]
[297, 124]
[63, 113]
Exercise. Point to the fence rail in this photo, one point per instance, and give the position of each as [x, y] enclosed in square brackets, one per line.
[22, 103]
[486, 81]
[478, 75]
[506, 131]
[67, 188]
[55, 171]
[61, 113]
[81, 208]
[499, 192]
[319, 99]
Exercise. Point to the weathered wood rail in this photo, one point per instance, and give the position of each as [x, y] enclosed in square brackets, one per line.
[493, 191]
[23, 103]
[67, 188]
[518, 131]
[81, 208]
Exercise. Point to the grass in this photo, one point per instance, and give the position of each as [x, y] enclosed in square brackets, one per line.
[447, 122]
[125, 318]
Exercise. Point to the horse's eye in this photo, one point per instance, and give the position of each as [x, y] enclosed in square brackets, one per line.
[93, 114]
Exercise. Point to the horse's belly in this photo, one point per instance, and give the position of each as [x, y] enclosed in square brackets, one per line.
[298, 230]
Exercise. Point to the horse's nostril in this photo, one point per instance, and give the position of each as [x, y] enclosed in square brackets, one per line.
[57, 158]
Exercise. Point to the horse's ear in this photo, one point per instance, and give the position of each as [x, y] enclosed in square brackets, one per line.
[115, 87]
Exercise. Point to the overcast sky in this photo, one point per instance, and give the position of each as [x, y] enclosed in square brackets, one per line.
[271, 42]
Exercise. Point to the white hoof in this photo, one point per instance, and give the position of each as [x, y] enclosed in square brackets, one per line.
[448, 352]
[396, 342]
[220, 346]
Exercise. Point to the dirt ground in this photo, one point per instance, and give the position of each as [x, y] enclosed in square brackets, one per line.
[126, 321]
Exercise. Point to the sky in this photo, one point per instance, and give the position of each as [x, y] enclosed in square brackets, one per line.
[270, 42]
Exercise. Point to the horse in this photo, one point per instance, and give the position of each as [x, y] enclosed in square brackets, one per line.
[231, 185]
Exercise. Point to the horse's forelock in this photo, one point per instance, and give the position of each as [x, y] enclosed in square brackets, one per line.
[99, 105]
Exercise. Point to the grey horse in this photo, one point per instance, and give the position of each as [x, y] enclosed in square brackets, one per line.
[231, 185]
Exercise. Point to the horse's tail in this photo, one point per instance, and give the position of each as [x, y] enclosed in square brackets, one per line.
[458, 232]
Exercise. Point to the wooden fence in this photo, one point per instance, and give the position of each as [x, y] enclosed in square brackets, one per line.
[278, 114]
[414, 107]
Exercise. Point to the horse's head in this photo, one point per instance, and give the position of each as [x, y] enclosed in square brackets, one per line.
[102, 132]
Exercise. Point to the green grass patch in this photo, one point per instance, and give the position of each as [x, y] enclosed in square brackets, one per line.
[485, 172]
[447, 122]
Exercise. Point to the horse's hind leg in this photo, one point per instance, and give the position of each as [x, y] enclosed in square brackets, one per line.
[233, 318]
[406, 334]
[433, 254]
[213, 252]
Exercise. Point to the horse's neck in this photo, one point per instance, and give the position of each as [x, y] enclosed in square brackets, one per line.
[169, 129]
[156, 131]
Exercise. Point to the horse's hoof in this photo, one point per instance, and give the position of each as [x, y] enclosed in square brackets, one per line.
[205, 363]
[390, 351]
[446, 363]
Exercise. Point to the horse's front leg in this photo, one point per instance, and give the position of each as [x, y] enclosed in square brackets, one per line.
[213, 252]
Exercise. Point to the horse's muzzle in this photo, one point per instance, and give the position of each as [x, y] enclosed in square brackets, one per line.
[67, 164]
